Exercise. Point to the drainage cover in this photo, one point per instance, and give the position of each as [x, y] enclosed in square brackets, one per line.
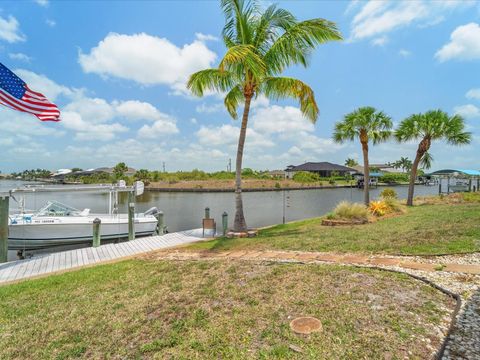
[306, 325]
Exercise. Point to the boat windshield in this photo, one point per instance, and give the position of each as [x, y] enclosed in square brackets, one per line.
[54, 208]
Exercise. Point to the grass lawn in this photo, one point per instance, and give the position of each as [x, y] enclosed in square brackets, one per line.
[219, 309]
[425, 229]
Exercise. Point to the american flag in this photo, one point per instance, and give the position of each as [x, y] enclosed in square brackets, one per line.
[15, 94]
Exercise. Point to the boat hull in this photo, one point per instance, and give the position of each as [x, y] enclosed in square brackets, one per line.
[31, 236]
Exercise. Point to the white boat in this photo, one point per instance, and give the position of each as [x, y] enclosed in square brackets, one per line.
[57, 224]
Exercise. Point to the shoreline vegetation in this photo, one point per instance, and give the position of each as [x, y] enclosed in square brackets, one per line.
[201, 181]
[251, 185]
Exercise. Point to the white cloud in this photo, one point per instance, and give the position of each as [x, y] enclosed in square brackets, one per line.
[467, 111]
[351, 6]
[380, 41]
[165, 125]
[317, 145]
[473, 94]
[378, 17]
[227, 135]
[464, 44]
[404, 53]
[209, 109]
[43, 3]
[147, 60]
[43, 84]
[205, 37]
[19, 57]
[88, 130]
[10, 30]
[92, 109]
[19, 123]
[50, 22]
[193, 121]
[280, 119]
[138, 110]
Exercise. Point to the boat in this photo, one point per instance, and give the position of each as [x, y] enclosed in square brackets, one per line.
[57, 224]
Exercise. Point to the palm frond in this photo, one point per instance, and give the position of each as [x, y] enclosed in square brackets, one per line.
[284, 87]
[296, 43]
[241, 59]
[426, 160]
[232, 100]
[410, 128]
[269, 24]
[211, 79]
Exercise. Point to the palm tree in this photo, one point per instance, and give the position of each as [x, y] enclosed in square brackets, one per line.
[432, 125]
[351, 162]
[260, 46]
[366, 124]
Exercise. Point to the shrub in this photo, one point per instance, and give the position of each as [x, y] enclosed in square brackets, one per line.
[393, 178]
[305, 177]
[378, 208]
[388, 193]
[277, 185]
[351, 211]
[393, 205]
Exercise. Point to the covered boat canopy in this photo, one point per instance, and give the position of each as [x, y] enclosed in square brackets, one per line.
[455, 173]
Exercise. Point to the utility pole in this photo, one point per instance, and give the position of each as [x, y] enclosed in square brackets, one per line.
[163, 164]
[229, 167]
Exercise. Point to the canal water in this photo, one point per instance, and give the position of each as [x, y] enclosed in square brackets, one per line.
[185, 210]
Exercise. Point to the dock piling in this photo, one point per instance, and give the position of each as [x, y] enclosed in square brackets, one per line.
[131, 216]
[4, 201]
[160, 223]
[207, 213]
[224, 223]
[96, 232]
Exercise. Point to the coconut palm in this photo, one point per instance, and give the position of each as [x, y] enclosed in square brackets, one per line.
[260, 46]
[427, 127]
[366, 124]
[351, 162]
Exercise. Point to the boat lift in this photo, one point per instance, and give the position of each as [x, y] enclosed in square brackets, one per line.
[465, 180]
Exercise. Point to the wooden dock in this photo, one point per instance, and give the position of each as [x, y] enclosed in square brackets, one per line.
[45, 264]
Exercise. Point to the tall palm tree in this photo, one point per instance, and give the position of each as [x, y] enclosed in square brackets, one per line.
[366, 124]
[427, 127]
[260, 46]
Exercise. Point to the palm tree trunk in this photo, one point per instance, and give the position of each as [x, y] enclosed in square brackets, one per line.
[239, 223]
[366, 174]
[413, 177]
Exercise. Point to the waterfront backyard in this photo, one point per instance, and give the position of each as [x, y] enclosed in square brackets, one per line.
[221, 309]
[156, 306]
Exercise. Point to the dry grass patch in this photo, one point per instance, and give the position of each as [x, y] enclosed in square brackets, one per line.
[220, 309]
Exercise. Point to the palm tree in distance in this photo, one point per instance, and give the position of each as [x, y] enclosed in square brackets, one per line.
[260, 46]
[351, 162]
[427, 127]
[366, 124]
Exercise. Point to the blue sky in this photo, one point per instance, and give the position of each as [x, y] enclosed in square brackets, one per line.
[118, 70]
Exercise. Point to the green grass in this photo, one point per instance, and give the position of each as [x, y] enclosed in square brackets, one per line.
[427, 229]
[218, 309]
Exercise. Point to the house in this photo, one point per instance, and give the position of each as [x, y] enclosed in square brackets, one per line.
[323, 169]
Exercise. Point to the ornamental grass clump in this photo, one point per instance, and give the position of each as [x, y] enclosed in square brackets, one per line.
[388, 193]
[351, 211]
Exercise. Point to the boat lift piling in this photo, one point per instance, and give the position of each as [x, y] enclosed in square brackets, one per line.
[96, 232]
[131, 216]
[160, 223]
[4, 203]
